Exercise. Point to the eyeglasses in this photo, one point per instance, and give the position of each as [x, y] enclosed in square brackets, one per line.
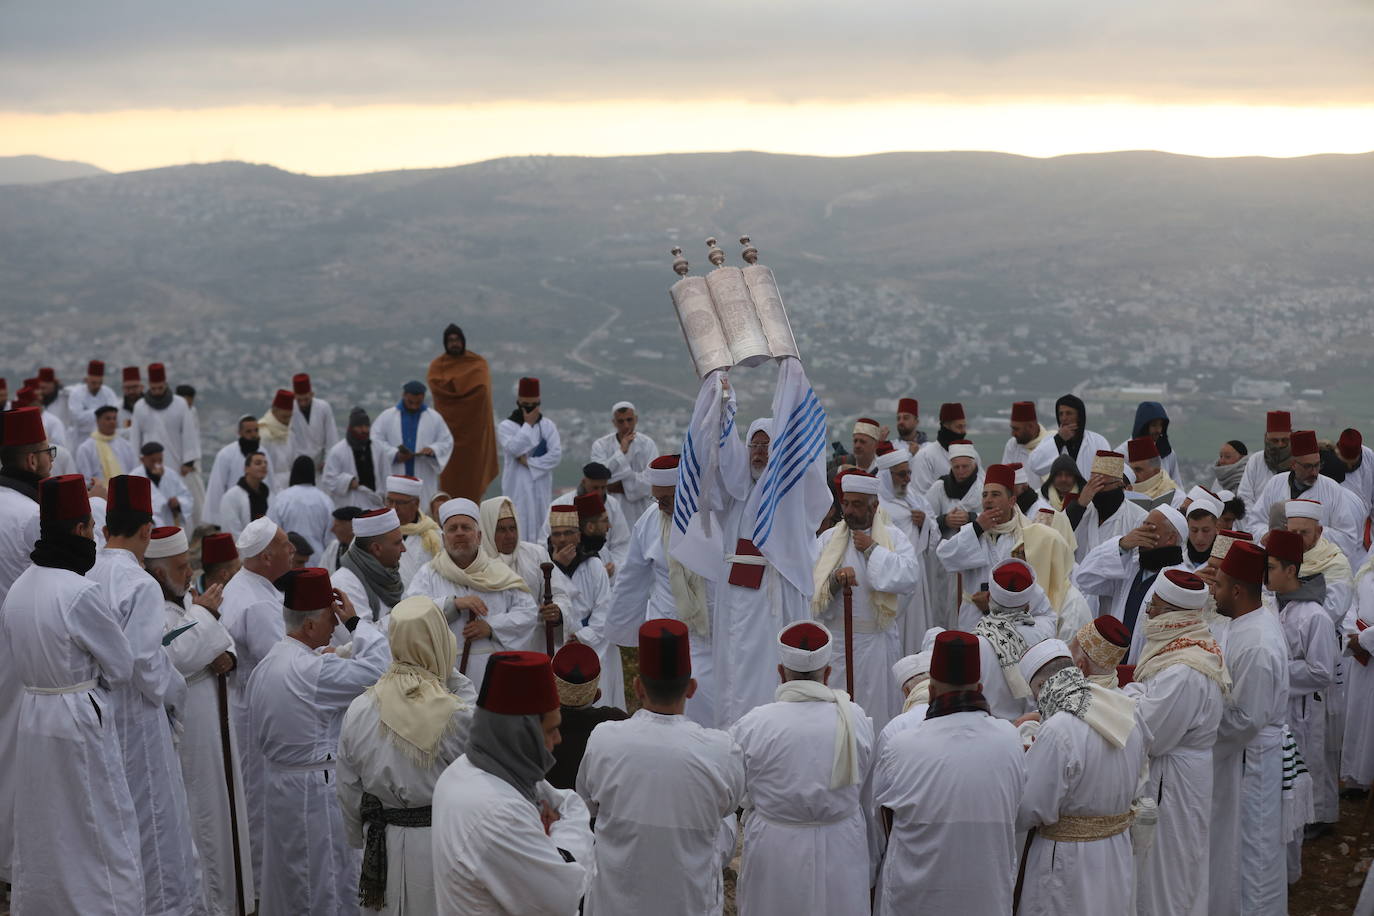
[50, 451]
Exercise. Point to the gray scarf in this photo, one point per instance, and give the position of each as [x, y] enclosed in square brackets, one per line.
[510, 748]
[1229, 475]
[382, 584]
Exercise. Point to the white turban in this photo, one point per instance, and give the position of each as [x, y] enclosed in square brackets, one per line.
[369, 526]
[892, 459]
[1174, 518]
[255, 537]
[962, 451]
[171, 545]
[618, 406]
[859, 483]
[907, 667]
[804, 660]
[406, 485]
[1191, 599]
[762, 423]
[1303, 508]
[1205, 503]
[458, 506]
[1044, 651]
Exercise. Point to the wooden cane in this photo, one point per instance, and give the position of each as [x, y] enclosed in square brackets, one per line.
[467, 647]
[1021, 872]
[549, 625]
[849, 639]
[222, 689]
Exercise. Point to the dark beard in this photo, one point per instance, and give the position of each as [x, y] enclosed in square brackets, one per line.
[1156, 558]
[457, 351]
[249, 446]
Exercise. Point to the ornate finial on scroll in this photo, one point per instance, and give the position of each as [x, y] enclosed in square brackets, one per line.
[751, 254]
[714, 253]
[679, 262]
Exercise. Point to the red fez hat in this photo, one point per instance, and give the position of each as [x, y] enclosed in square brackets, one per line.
[954, 659]
[23, 426]
[909, 405]
[1002, 474]
[1278, 421]
[284, 400]
[217, 548]
[63, 498]
[883, 448]
[156, 373]
[96, 368]
[518, 684]
[1113, 630]
[131, 374]
[130, 494]
[300, 383]
[1141, 448]
[46, 374]
[529, 388]
[1023, 412]
[1304, 442]
[664, 462]
[589, 505]
[1349, 444]
[869, 420]
[576, 663]
[1014, 576]
[308, 589]
[1282, 544]
[1236, 535]
[951, 412]
[839, 478]
[664, 652]
[26, 396]
[31, 382]
[806, 636]
[1245, 561]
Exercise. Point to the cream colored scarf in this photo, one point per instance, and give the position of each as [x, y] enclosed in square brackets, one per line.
[413, 701]
[109, 461]
[1326, 558]
[1109, 680]
[431, 535]
[484, 574]
[919, 694]
[1044, 434]
[1181, 638]
[884, 603]
[689, 591]
[1156, 486]
[844, 765]
[270, 429]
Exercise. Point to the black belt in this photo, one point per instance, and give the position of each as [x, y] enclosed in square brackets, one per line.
[372, 880]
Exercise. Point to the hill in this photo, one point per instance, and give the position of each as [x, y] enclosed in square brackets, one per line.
[38, 169]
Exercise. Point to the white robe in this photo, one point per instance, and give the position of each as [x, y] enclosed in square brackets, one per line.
[917, 614]
[341, 469]
[1016, 453]
[805, 844]
[1072, 770]
[87, 456]
[81, 408]
[1180, 709]
[512, 615]
[659, 787]
[235, 511]
[1357, 754]
[432, 433]
[1042, 459]
[875, 649]
[928, 465]
[1341, 516]
[371, 761]
[18, 531]
[527, 561]
[312, 437]
[346, 581]
[78, 850]
[1107, 574]
[54, 428]
[617, 537]
[630, 470]
[171, 486]
[1312, 655]
[1361, 482]
[1252, 483]
[202, 752]
[953, 785]
[174, 426]
[496, 858]
[415, 558]
[224, 474]
[298, 699]
[529, 485]
[172, 880]
[588, 596]
[306, 510]
[945, 596]
[1091, 531]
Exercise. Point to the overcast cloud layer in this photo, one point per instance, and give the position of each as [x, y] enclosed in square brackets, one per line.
[92, 55]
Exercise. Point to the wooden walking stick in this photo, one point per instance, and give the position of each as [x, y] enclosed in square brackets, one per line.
[549, 625]
[849, 639]
[222, 690]
[467, 647]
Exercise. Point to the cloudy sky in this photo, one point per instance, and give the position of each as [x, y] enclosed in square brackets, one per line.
[333, 86]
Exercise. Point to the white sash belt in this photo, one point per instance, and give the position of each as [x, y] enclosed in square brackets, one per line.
[74, 688]
[746, 560]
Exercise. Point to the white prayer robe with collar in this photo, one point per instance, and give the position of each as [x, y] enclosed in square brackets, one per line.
[202, 752]
[298, 698]
[251, 612]
[943, 587]
[224, 474]
[527, 561]
[1312, 656]
[805, 844]
[928, 465]
[171, 869]
[1180, 709]
[1357, 755]
[617, 538]
[235, 511]
[171, 486]
[642, 591]
[512, 615]
[1246, 861]
[495, 858]
[1341, 518]
[953, 785]
[529, 485]
[432, 433]
[344, 579]
[78, 849]
[916, 614]
[341, 469]
[1016, 453]
[312, 437]
[630, 470]
[279, 459]
[970, 558]
[1092, 531]
[1361, 482]
[87, 456]
[18, 531]
[371, 761]
[1107, 574]
[1042, 458]
[1072, 770]
[588, 600]
[660, 787]
[306, 510]
[1252, 483]
[875, 650]
[54, 428]
[174, 426]
[81, 407]
[415, 558]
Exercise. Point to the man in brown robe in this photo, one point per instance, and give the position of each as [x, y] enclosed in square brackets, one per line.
[460, 383]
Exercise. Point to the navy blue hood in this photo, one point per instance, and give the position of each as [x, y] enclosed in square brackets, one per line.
[1145, 412]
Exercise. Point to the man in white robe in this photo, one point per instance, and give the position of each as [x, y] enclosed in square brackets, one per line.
[163, 417]
[504, 840]
[250, 498]
[907, 425]
[1151, 484]
[304, 508]
[660, 787]
[78, 850]
[298, 697]
[596, 479]
[1340, 511]
[1358, 459]
[530, 451]
[416, 437]
[1004, 633]
[145, 705]
[313, 429]
[228, 466]
[203, 651]
[423, 539]
[1357, 749]
[369, 569]
[1026, 436]
[355, 469]
[488, 605]
[1073, 438]
[1081, 775]
[1276, 458]
[82, 401]
[867, 433]
[172, 501]
[581, 591]
[806, 758]
[1178, 688]
[274, 431]
[932, 461]
[104, 453]
[1247, 848]
[955, 499]
[1098, 647]
[875, 560]
[131, 391]
[911, 512]
[627, 453]
[501, 539]
[1102, 511]
[949, 790]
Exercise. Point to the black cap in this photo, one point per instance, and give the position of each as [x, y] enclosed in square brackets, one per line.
[595, 470]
